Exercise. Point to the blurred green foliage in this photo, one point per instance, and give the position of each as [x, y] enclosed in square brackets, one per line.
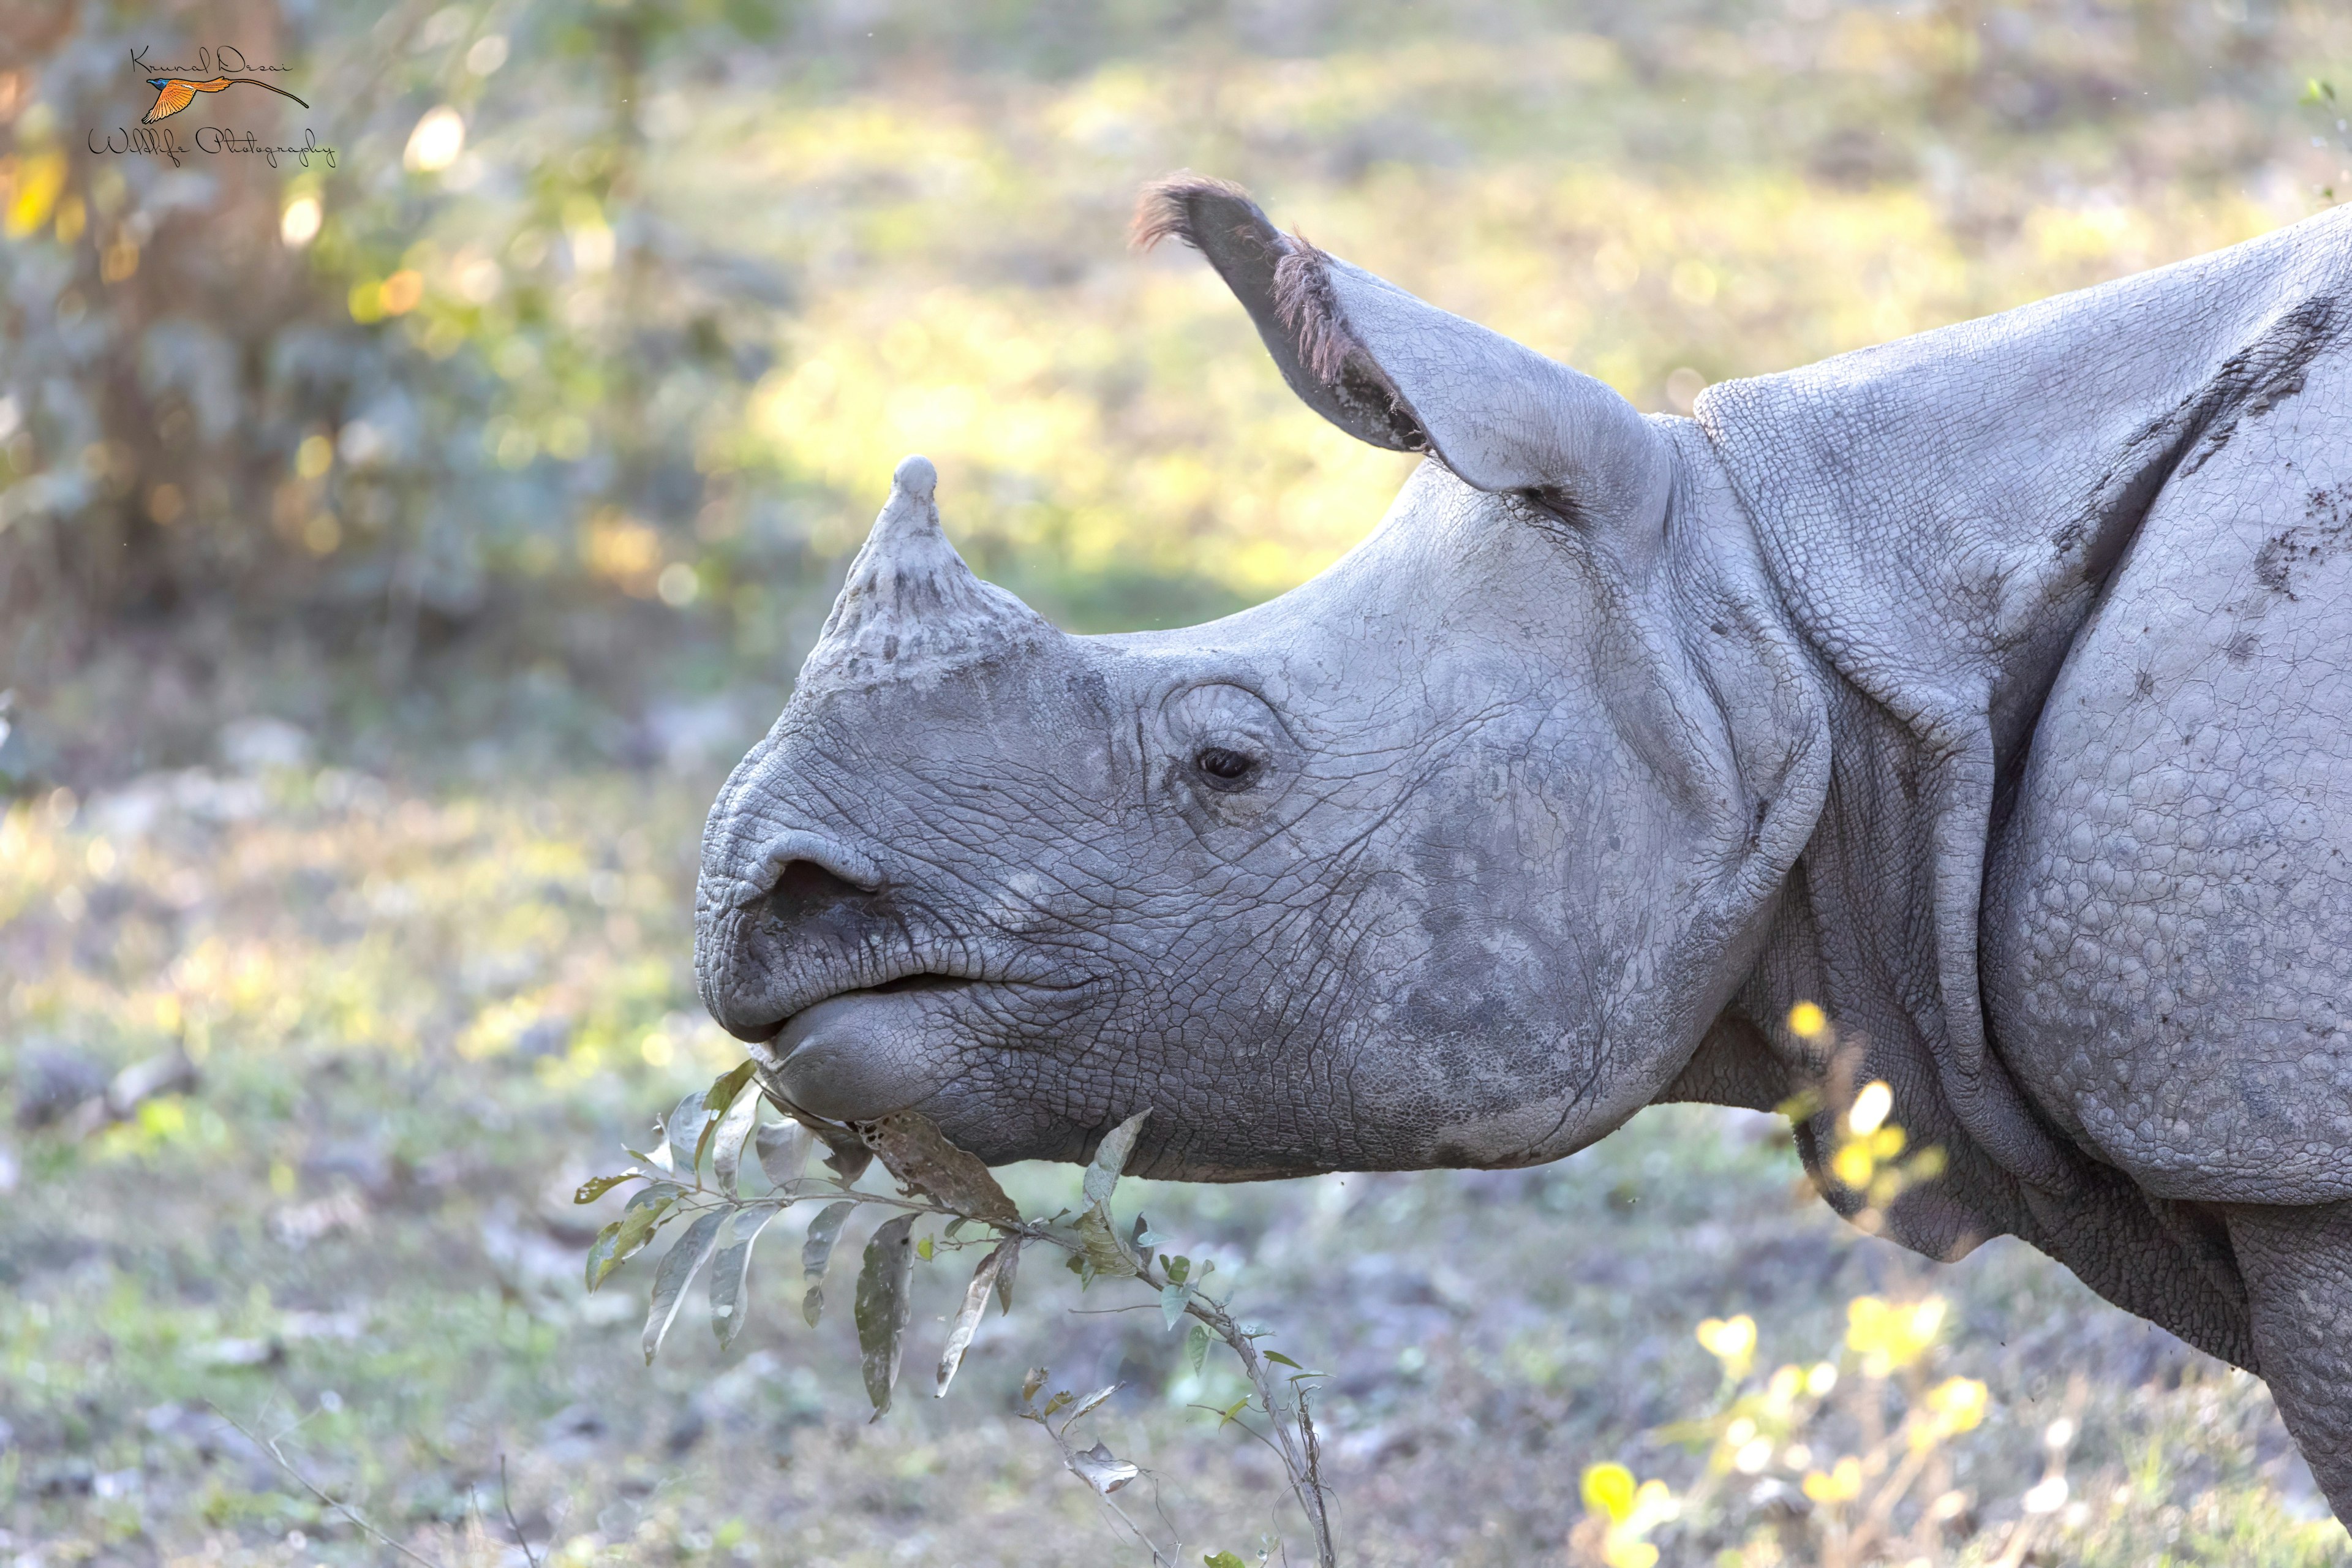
[590, 353]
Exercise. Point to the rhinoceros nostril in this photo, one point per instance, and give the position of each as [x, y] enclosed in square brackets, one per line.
[805, 888]
[799, 855]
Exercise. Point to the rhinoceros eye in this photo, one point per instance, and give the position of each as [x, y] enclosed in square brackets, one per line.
[1222, 768]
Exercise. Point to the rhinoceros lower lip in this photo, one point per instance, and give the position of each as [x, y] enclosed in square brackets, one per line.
[858, 1055]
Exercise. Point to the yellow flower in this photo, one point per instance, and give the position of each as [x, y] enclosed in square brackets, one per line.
[1888, 1335]
[1870, 1108]
[1842, 1482]
[1609, 1490]
[1807, 1019]
[1958, 1403]
[1631, 1512]
[1732, 1341]
[1853, 1164]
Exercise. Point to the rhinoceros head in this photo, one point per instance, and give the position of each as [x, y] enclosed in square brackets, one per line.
[1448, 856]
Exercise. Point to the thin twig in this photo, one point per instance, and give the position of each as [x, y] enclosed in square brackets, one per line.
[1175, 1536]
[346, 1509]
[1149, 1546]
[1225, 1420]
[507, 1502]
[1070, 1458]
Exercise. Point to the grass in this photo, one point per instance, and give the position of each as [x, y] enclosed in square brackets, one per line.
[420, 1016]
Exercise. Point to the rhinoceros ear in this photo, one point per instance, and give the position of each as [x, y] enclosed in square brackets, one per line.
[1399, 373]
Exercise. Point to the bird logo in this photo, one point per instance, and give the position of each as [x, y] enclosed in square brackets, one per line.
[174, 94]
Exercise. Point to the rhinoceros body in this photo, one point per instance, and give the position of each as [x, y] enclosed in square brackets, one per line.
[1991, 690]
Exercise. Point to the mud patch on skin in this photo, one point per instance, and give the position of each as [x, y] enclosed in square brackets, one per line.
[2326, 519]
[2252, 382]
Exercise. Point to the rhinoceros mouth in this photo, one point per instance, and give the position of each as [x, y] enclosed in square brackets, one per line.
[815, 993]
[865, 1052]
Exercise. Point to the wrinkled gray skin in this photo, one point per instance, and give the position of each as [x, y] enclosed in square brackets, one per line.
[1992, 689]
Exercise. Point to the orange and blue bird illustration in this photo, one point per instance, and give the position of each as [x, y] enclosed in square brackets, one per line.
[174, 94]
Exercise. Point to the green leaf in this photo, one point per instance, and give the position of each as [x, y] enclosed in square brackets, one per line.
[1063, 1397]
[630, 1232]
[729, 1306]
[596, 1187]
[726, 1136]
[1180, 1268]
[1278, 1357]
[816, 1252]
[1010, 1249]
[1110, 1158]
[728, 1087]
[1223, 1560]
[914, 1150]
[1173, 1301]
[1139, 1243]
[600, 1254]
[1100, 1468]
[885, 1302]
[1095, 1399]
[967, 1320]
[1196, 1346]
[678, 1267]
[849, 1155]
[1103, 1252]
[1031, 1383]
[1231, 1413]
[682, 1135]
[784, 1149]
[923, 1249]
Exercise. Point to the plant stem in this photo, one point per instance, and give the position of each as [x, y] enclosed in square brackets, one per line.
[311, 1486]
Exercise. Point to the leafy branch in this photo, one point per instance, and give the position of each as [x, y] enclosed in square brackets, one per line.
[721, 1224]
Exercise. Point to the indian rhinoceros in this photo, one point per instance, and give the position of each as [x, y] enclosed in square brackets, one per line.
[1991, 689]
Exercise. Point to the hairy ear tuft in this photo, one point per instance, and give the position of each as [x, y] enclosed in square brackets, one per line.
[1304, 297]
[1169, 207]
[1401, 374]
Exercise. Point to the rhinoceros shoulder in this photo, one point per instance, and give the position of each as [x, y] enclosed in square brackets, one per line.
[2168, 926]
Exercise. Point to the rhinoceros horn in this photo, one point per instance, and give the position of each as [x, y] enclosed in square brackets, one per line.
[911, 608]
[1399, 373]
